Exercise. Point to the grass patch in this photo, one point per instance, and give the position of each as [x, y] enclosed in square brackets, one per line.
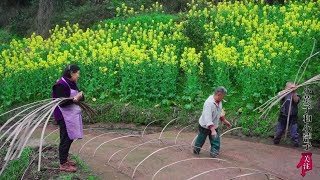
[15, 168]
[49, 166]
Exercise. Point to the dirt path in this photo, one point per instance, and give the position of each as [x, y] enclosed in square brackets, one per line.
[276, 160]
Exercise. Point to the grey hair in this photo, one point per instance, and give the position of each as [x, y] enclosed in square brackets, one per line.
[220, 89]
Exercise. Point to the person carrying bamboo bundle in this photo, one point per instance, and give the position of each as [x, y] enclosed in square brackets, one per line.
[68, 114]
[209, 122]
[292, 99]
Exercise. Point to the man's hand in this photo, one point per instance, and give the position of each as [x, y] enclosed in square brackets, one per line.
[294, 87]
[213, 133]
[227, 123]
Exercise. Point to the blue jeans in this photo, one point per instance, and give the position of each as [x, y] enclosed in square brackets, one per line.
[281, 127]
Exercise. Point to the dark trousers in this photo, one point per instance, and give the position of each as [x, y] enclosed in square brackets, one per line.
[201, 139]
[281, 127]
[65, 142]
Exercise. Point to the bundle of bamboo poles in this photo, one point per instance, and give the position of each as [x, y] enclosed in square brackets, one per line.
[267, 106]
[18, 129]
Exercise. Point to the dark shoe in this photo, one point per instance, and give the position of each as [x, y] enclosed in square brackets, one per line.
[276, 142]
[214, 154]
[295, 145]
[195, 152]
[67, 168]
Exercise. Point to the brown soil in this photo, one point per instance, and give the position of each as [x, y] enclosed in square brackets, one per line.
[280, 161]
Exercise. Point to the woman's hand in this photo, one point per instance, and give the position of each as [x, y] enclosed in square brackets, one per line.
[78, 97]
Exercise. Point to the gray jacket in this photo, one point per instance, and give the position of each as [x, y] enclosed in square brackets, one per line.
[211, 113]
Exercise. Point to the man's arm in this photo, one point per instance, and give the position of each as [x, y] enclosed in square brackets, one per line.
[295, 97]
[207, 115]
[226, 122]
[223, 119]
